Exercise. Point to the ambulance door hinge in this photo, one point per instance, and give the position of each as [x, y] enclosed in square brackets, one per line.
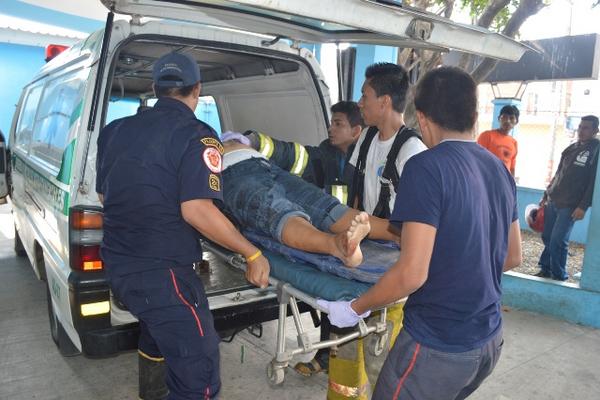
[136, 20]
[419, 29]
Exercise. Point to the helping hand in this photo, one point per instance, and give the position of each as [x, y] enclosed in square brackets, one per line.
[341, 313]
[257, 272]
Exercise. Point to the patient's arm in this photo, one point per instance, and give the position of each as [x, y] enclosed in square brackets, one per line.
[203, 215]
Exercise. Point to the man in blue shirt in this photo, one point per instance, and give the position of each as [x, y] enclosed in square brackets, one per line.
[457, 209]
[158, 175]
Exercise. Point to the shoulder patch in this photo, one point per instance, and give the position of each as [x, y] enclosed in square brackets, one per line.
[214, 182]
[212, 159]
[212, 142]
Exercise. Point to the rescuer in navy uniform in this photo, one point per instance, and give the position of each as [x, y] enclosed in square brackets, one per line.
[158, 175]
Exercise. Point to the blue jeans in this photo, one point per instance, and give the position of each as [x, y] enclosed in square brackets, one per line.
[262, 196]
[416, 372]
[558, 224]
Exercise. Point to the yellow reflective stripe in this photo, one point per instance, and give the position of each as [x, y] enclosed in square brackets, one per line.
[300, 161]
[266, 145]
[156, 359]
[340, 192]
[352, 392]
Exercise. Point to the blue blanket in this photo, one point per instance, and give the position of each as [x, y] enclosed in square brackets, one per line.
[378, 257]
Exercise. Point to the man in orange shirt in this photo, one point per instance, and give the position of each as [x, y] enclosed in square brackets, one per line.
[499, 142]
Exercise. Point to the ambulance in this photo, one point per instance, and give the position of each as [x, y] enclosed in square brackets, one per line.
[257, 73]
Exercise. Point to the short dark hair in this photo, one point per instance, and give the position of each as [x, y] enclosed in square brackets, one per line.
[448, 96]
[593, 119]
[168, 91]
[351, 110]
[510, 110]
[389, 79]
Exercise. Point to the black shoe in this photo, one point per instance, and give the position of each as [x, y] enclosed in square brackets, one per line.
[542, 274]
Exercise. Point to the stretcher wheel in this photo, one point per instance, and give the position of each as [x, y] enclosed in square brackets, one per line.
[275, 374]
[379, 345]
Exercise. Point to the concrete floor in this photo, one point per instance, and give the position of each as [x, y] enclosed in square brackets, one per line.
[543, 358]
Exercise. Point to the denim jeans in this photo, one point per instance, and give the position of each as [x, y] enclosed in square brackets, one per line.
[262, 196]
[558, 224]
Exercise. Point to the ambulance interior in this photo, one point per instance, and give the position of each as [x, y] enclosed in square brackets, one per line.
[279, 96]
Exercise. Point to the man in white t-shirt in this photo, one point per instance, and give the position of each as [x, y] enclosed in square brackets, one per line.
[382, 105]
[373, 190]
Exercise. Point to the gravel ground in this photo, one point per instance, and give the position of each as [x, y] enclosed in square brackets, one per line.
[533, 247]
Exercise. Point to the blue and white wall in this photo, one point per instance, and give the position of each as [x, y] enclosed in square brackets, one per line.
[25, 30]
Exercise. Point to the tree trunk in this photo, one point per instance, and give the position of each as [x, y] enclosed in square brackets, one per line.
[490, 12]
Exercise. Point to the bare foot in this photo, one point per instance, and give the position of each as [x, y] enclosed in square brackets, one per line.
[348, 243]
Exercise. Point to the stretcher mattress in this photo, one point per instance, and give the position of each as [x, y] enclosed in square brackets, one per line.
[378, 257]
[312, 281]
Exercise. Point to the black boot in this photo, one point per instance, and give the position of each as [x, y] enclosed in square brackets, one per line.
[152, 374]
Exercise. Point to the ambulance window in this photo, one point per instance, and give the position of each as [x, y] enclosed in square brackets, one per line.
[59, 110]
[206, 112]
[121, 107]
[24, 129]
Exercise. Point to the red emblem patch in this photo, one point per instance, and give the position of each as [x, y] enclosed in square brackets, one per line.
[212, 159]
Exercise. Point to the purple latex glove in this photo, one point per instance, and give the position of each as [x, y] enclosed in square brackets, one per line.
[227, 136]
[340, 313]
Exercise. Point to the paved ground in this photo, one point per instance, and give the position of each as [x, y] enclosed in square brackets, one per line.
[543, 358]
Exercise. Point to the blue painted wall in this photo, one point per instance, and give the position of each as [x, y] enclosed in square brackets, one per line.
[563, 300]
[527, 196]
[367, 55]
[590, 275]
[18, 64]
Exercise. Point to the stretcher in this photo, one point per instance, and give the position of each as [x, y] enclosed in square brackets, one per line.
[296, 281]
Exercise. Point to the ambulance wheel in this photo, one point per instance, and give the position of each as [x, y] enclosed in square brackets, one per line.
[19, 249]
[275, 374]
[58, 333]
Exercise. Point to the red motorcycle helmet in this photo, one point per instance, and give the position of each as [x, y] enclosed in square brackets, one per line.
[535, 217]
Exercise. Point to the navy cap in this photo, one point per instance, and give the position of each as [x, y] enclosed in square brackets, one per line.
[175, 70]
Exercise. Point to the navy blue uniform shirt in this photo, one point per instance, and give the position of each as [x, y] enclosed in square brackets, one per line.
[465, 192]
[147, 165]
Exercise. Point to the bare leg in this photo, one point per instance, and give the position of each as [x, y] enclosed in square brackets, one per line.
[302, 235]
[380, 228]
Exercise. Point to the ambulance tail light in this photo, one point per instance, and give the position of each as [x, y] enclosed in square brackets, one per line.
[85, 236]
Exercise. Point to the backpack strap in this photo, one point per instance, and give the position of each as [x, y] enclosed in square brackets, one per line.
[390, 176]
[358, 180]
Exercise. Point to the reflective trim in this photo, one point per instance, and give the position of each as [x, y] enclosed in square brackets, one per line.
[340, 192]
[156, 359]
[349, 391]
[101, 307]
[266, 145]
[300, 161]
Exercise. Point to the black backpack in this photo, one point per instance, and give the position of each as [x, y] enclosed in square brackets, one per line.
[389, 175]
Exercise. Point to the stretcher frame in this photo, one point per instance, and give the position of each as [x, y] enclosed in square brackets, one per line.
[288, 295]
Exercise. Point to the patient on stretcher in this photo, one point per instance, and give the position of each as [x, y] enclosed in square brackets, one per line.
[275, 203]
